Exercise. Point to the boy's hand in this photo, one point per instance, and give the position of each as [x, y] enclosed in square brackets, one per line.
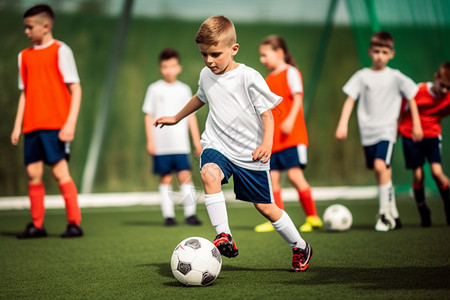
[165, 121]
[151, 148]
[287, 126]
[67, 133]
[15, 136]
[262, 153]
[341, 133]
[417, 133]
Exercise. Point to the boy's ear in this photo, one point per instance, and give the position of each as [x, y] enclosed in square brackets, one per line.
[234, 49]
[392, 53]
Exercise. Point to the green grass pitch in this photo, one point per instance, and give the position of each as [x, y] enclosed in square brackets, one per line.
[126, 252]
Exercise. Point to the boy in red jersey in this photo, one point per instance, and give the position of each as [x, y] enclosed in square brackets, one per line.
[47, 114]
[433, 101]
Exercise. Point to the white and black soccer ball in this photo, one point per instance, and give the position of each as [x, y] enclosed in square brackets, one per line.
[196, 262]
[337, 217]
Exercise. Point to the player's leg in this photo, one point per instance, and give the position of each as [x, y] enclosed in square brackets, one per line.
[442, 183]
[189, 198]
[298, 180]
[167, 205]
[380, 155]
[302, 251]
[60, 171]
[215, 169]
[33, 154]
[433, 150]
[36, 193]
[275, 176]
[414, 159]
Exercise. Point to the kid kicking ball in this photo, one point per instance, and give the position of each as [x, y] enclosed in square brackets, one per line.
[196, 262]
[337, 217]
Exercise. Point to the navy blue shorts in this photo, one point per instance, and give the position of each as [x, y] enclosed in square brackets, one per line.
[289, 158]
[382, 150]
[165, 164]
[44, 145]
[249, 185]
[416, 152]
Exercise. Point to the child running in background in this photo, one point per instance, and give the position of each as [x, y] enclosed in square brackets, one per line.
[170, 146]
[47, 115]
[290, 139]
[379, 90]
[433, 101]
[238, 138]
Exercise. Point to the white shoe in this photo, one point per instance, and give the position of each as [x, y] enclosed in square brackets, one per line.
[385, 223]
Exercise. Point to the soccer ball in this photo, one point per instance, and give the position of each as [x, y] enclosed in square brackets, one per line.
[337, 217]
[196, 262]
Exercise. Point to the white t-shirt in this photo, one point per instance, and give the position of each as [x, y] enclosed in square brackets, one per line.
[380, 96]
[66, 63]
[236, 100]
[167, 99]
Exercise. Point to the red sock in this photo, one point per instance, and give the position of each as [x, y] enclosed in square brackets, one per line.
[445, 186]
[36, 192]
[307, 202]
[278, 200]
[70, 195]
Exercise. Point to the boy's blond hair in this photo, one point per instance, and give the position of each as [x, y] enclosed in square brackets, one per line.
[216, 29]
[382, 39]
[444, 72]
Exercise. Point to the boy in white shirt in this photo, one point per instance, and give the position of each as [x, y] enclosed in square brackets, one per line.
[170, 147]
[237, 139]
[380, 90]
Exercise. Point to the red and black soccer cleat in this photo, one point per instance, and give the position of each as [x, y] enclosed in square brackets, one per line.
[301, 258]
[226, 245]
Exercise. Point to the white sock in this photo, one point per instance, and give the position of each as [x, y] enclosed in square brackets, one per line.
[167, 206]
[217, 211]
[286, 228]
[392, 202]
[383, 196]
[189, 203]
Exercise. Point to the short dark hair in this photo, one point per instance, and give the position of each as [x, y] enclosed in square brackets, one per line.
[40, 9]
[168, 53]
[382, 39]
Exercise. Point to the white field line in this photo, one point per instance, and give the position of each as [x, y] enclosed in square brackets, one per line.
[152, 198]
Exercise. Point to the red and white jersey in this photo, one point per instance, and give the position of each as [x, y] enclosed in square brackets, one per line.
[43, 74]
[287, 83]
[431, 111]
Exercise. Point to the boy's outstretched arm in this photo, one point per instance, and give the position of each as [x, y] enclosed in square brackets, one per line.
[67, 132]
[416, 133]
[17, 130]
[342, 129]
[193, 105]
[264, 151]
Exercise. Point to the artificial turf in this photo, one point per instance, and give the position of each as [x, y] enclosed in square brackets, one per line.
[126, 252]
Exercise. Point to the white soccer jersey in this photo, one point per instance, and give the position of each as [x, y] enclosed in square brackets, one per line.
[167, 99]
[236, 100]
[380, 97]
[66, 63]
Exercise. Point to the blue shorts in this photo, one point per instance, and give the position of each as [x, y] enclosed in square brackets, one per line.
[381, 150]
[416, 152]
[44, 145]
[165, 164]
[249, 185]
[289, 158]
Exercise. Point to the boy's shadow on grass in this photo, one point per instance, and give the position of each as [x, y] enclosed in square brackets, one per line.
[403, 278]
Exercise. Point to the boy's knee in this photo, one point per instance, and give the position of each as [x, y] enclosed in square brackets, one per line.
[211, 173]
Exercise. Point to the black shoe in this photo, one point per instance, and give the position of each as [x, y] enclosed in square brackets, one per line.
[398, 223]
[226, 245]
[73, 230]
[301, 258]
[193, 220]
[425, 216]
[32, 232]
[170, 222]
